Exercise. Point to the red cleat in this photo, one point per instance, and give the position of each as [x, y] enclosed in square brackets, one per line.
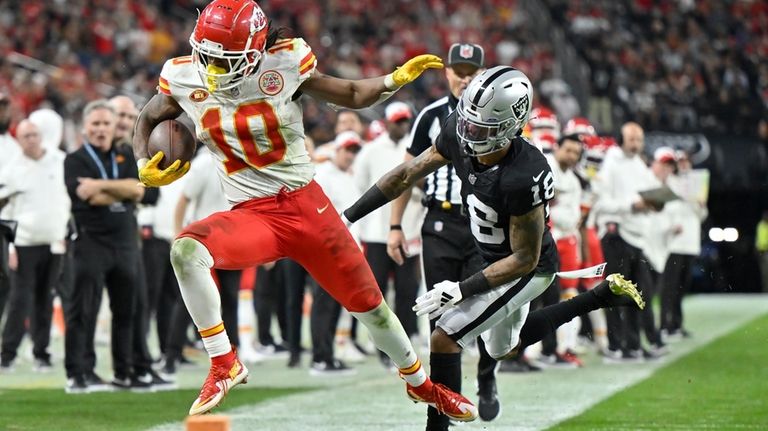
[447, 402]
[221, 378]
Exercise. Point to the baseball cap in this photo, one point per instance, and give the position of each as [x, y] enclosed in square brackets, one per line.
[397, 111]
[467, 53]
[347, 139]
[665, 155]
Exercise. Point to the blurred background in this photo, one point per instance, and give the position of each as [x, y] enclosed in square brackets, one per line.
[693, 73]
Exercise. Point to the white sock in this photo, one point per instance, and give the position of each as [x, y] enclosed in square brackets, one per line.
[390, 337]
[599, 328]
[192, 264]
[216, 341]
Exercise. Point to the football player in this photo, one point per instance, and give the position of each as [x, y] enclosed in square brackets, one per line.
[241, 87]
[505, 186]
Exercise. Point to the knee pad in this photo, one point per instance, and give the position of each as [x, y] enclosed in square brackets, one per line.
[187, 253]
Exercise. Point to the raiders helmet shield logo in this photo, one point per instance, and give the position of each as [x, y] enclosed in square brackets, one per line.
[198, 95]
[271, 82]
[520, 108]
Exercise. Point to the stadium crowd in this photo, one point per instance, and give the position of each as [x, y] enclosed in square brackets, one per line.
[121, 46]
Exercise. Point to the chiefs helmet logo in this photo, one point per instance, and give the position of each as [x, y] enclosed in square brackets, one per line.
[271, 82]
[258, 20]
[198, 95]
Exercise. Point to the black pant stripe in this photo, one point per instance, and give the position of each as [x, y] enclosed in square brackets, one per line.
[493, 307]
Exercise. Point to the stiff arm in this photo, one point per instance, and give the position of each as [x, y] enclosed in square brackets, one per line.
[395, 182]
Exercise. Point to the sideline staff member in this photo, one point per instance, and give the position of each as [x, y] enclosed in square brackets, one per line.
[102, 182]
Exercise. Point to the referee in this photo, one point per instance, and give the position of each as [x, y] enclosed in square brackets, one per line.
[448, 250]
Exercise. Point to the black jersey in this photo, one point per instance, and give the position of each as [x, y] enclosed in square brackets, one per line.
[520, 182]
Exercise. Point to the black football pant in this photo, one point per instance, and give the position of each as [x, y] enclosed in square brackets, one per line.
[5, 274]
[323, 320]
[162, 287]
[269, 298]
[296, 280]
[31, 297]
[407, 278]
[624, 322]
[676, 281]
[229, 290]
[97, 265]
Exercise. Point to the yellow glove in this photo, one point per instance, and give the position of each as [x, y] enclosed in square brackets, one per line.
[151, 176]
[411, 70]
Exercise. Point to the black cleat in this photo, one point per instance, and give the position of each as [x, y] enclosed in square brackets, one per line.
[488, 405]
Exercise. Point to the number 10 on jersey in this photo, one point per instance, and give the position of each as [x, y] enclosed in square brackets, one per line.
[254, 157]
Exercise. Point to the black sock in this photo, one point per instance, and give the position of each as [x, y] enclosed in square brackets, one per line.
[444, 368]
[545, 320]
[486, 365]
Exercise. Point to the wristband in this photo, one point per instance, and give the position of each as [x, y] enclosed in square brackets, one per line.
[389, 82]
[395, 227]
[142, 162]
[475, 284]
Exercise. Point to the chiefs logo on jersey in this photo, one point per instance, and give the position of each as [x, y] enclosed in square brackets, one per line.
[198, 95]
[271, 82]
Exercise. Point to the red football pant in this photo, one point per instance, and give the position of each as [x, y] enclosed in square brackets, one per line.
[570, 260]
[301, 225]
[595, 256]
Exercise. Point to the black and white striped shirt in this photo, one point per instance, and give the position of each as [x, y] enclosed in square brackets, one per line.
[443, 184]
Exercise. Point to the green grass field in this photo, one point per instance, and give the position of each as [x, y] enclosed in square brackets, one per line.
[50, 409]
[717, 380]
[722, 386]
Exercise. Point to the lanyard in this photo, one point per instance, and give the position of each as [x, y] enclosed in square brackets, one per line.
[99, 164]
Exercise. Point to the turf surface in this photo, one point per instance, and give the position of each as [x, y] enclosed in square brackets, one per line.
[52, 409]
[722, 386]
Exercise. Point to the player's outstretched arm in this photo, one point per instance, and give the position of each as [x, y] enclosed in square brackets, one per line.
[395, 182]
[361, 93]
[525, 233]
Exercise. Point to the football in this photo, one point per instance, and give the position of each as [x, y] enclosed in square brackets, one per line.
[175, 141]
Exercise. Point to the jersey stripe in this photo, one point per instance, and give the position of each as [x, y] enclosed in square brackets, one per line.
[308, 65]
[164, 87]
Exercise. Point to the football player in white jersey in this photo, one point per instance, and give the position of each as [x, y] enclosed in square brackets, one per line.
[240, 86]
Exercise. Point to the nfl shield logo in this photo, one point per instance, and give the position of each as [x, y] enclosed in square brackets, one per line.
[472, 178]
[466, 51]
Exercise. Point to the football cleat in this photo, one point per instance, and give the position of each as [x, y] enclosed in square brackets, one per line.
[488, 404]
[221, 378]
[447, 402]
[623, 287]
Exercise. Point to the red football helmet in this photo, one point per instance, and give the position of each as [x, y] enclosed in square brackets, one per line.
[543, 118]
[579, 126]
[228, 42]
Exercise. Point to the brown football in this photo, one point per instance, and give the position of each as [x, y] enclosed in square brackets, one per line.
[175, 141]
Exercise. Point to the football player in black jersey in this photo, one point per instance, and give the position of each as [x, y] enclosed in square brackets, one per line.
[506, 184]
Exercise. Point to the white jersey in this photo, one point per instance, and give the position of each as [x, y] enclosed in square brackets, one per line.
[566, 210]
[255, 130]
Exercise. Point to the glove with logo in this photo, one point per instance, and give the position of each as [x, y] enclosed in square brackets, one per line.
[437, 301]
[152, 176]
[411, 70]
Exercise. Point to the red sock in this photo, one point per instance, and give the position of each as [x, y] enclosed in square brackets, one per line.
[225, 359]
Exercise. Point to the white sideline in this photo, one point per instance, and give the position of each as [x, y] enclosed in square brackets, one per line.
[531, 401]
